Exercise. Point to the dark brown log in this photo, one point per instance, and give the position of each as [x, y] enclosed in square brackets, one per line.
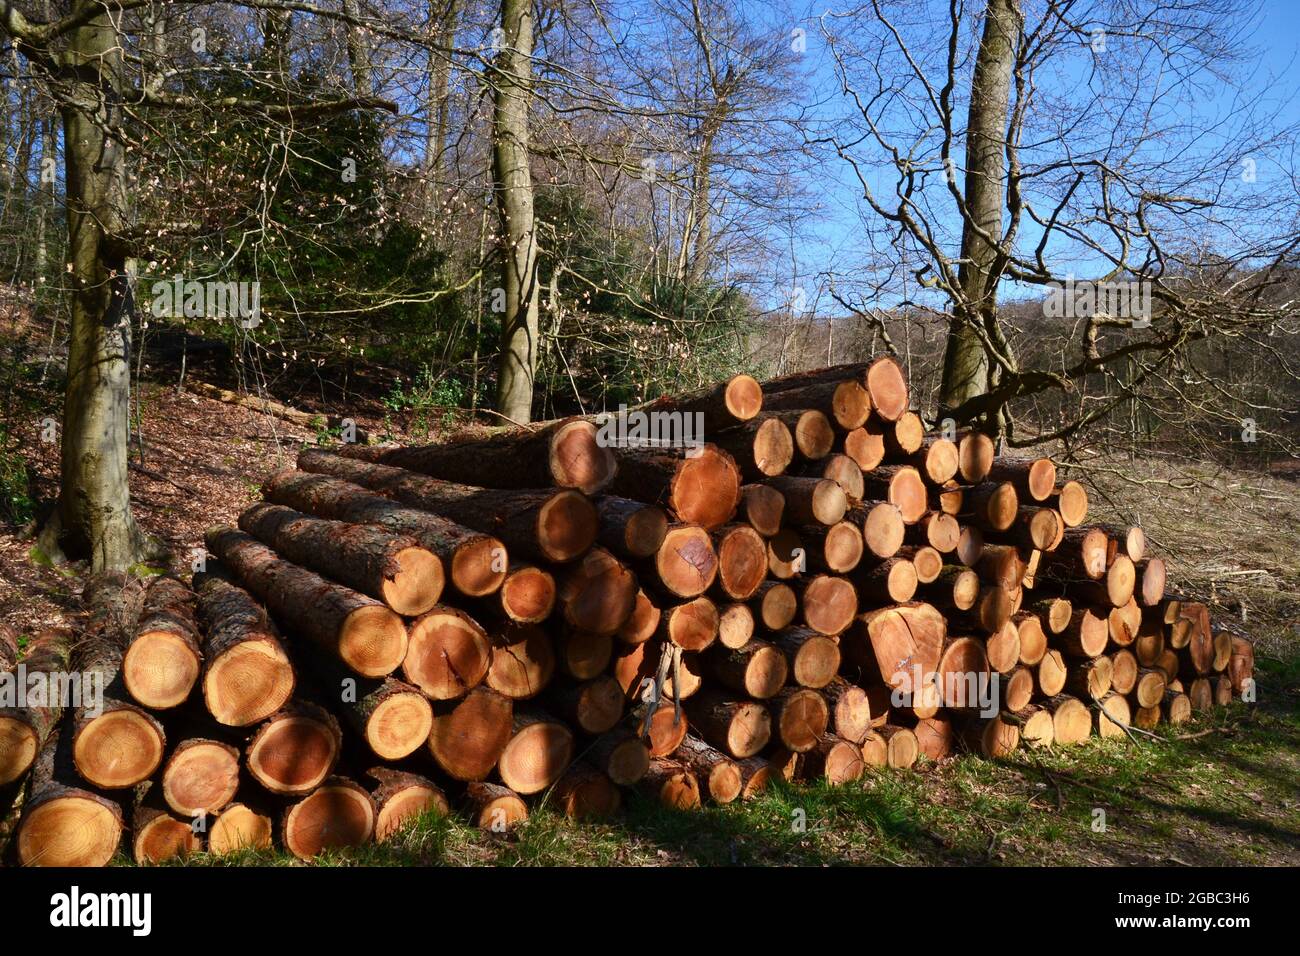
[523, 660]
[901, 486]
[65, 823]
[449, 653]
[593, 706]
[295, 749]
[246, 672]
[775, 605]
[156, 835]
[162, 659]
[1033, 478]
[469, 734]
[761, 449]
[741, 561]
[970, 545]
[699, 486]
[239, 827]
[475, 563]
[392, 568]
[891, 581]
[866, 445]
[539, 751]
[338, 814]
[598, 593]
[845, 401]
[24, 731]
[542, 524]
[567, 454]
[763, 508]
[799, 716]
[585, 793]
[495, 808]
[883, 529]
[364, 634]
[739, 728]
[620, 755]
[757, 670]
[631, 529]
[402, 798]
[200, 777]
[937, 460]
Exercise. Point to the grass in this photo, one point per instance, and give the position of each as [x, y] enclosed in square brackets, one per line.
[1221, 791]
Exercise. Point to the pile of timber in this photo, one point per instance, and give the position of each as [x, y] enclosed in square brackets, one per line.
[538, 618]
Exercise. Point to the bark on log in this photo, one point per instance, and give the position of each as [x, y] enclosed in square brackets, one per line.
[157, 835]
[495, 808]
[64, 822]
[401, 798]
[702, 487]
[832, 759]
[672, 784]
[598, 593]
[163, 660]
[901, 486]
[24, 731]
[757, 670]
[850, 710]
[620, 755]
[775, 605]
[739, 728]
[718, 774]
[631, 529]
[846, 401]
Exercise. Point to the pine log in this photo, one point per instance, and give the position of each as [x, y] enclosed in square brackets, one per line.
[246, 672]
[812, 431]
[739, 728]
[846, 401]
[937, 530]
[663, 726]
[364, 634]
[718, 774]
[1113, 715]
[527, 596]
[866, 445]
[1086, 634]
[1081, 554]
[692, 625]
[200, 776]
[1222, 651]
[836, 549]
[813, 658]
[631, 529]
[1150, 587]
[163, 659]
[827, 603]
[686, 563]
[926, 561]
[991, 506]
[1002, 648]
[1071, 720]
[842, 470]
[338, 814]
[1150, 687]
[469, 734]
[850, 710]
[1050, 674]
[992, 737]
[947, 498]
[620, 755]
[584, 793]
[295, 750]
[891, 581]
[758, 669]
[391, 717]
[875, 752]
[970, 545]
[901, 486]
[761, 449]
[1035, 725]
[1034, 478]
[475, 563]
[1241, 665]
[937, 460]
[1090, 680]
[592, 706]
[523, 660]
[495, 808]
[1001, 564]
[567, 454]
[735, 625]
[883, 529]
[975, 452]
[539, 751]
[543, 524]
[798, 717]
[392, 568]
[1016, 689]
[1071, 501]
[65, 823]
[598, 593]
[899, 640]
[1123, 671]
[239, 827]
[698, 486]
[643, 622]
[672, 784]
[25, 730]
[157, 835]
[581, 654]
[449, 653]
[763, 508]
[934, 737]
[1033, 639]
[963, 674]
[401, 798]
[832, 759]
[775, 605]
[741, 559]
[1123, 623]
[811, 500]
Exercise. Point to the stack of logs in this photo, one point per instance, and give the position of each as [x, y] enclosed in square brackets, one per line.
[553, 614]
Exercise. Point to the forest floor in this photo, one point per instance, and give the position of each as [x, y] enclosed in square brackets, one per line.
[1222, 790]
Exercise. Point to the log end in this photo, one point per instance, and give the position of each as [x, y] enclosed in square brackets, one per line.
[164, 838]
[201, 778]
[239, 828]
[566, 526]
[248, 683]
[478, 567]
[18, 749]
[372, 641]
[579, 460]
[69, 831]
[528, 595]
[418, 583]
[407, 805]
[888, 388]
[536, 756]
[399, 725]
[119, 748]
[337, 815]
[159, 669]
[743, 397]
[449, 654]
[293, 755]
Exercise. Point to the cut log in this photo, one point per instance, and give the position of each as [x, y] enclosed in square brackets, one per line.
[663, 728]
[975, 453]
[718, 774]
[620, 755]
[24, 731]
[763, 508]
[475, 562]
[850, 710]
[836, 549]
[992, 737]
[901, 746]
[948, 497]
[866, 445]
[799, 716]
[65, 823]
[1201, 694]
[1071, 720]
[1090, 680]
[1123, 672]
[339, 814]
[991, 506]
[813, 434]
[539, 751]
[568, 454]
[391, 717]
[970, 545]
[1149, 690]
[163, 659]
[495, 808]
[891, 581]
[469, 734]
[402, 798]
[671, 784]
[364, 634]
[757, 670]
[1035, 529]
[736, 399]
[686, 563]
[901, 486]
[598, 593]
[934, 737]
[761, 449]
[842, 470]
[239, 827]
[1177, 708]
[523, 660]
[1034, 478]
[392, 568]
[1071, 500]
[1035, 724]
[811, 500]
[1050, 674]
[1002, 647]
[1054, 613]
[200, 777]
[699, 485]
[875, 752]
[963, 674]
[813, 658]
[295, 750]
[527, 596]
[157, 836]
[739, 728]
[827, 603]
[901, 640]
[775, 605]
[755, 777]
[735, 624]
[1113, 716]
[937, 460]
[1081, 554]
[593, 706]
[634, 665]
[1033, 639]
[1086, 634]
[642, 624]
[937, 530]
[1241, 665]
[584, 793]
[1222, 652]
[832, 759]
[542, 524]
[883, 529]
[1150, 587]
[692, 625]
[741, 562]
[449, 653]
[1016, 689]
[926, 561]
[1150, 643]
[846, 401]
[906, 436]
[687, 679]
[631, 529]
[1001, 564]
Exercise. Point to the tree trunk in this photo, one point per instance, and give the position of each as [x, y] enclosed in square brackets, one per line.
[511, 78]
